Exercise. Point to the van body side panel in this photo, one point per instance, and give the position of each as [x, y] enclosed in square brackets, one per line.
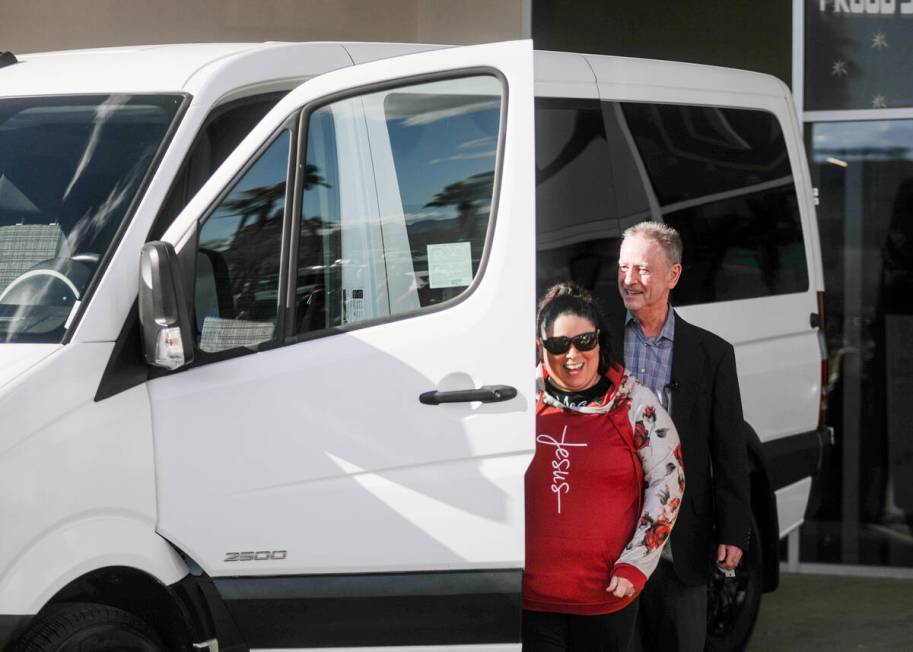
[798, 152]
[564, 74]
[78, 480]
[792, 500]
[776, 357]
[777, 350]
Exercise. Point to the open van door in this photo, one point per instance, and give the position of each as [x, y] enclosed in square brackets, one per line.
[345, 454]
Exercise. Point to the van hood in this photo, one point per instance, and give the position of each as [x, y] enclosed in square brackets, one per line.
[17, 358]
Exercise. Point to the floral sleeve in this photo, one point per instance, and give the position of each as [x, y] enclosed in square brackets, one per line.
[660, 453]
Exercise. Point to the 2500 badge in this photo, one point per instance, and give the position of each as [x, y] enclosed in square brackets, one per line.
[259, 555]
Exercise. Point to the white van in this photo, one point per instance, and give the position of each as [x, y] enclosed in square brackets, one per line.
[309, 426]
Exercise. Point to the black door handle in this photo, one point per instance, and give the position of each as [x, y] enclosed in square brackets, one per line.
[485, 394]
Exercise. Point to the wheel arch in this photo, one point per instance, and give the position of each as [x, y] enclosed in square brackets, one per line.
[764, 508]
[74, 550]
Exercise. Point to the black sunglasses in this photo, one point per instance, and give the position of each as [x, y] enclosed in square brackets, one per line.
[561, 345]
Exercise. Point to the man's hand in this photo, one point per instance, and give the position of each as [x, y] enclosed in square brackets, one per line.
[728, 557]
[620, 587]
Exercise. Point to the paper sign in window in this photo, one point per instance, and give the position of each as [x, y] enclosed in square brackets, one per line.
[449, 265]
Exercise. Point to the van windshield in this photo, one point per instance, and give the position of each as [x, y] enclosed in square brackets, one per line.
[70, 170]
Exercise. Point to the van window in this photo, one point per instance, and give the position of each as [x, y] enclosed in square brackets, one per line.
[396, 198]
[237, 275]
[720, 176]
[224, 129]
[70, 170]
[723, 180]
[586, 184]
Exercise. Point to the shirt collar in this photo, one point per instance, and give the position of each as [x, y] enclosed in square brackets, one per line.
[668, 331]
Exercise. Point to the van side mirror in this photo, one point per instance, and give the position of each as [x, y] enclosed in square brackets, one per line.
[163, 313]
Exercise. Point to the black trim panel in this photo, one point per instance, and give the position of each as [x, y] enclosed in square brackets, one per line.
[435, 608]
[789, 459]
[204, 612]
[10, 627]
[127, 366]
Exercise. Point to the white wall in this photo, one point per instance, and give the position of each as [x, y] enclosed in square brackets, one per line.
[38, 25]
[470, 21]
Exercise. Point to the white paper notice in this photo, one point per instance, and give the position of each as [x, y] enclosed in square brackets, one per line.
[449, 265]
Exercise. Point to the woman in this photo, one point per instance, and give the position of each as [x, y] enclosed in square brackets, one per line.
[602, 491]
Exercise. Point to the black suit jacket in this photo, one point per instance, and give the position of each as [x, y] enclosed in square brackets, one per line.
[706, 408]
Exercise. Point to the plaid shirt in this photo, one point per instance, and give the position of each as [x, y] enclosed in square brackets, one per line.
[649, 359]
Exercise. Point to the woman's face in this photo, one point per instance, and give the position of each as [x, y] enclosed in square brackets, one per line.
[575, 370]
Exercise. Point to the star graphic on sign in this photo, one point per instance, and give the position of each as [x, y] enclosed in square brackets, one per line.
[839, 69]
[878, 102]
[879, 40]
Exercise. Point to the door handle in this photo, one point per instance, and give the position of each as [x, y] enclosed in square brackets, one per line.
[484, 394]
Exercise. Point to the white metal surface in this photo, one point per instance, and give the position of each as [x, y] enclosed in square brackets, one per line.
[76, 480]
[564, 74]
[15, 359]
[175, 67]
[322, 449]
[791, 503]
[615, 74]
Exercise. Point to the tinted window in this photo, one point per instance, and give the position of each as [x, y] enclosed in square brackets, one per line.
[237, 283]
[397, 191]
[719, 176]
[223, 130]
[722, 178]
[578, 203]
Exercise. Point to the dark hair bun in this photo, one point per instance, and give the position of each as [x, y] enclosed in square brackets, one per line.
[565, 289]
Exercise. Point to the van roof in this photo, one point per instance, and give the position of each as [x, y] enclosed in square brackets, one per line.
[223, 67]
[183, 67]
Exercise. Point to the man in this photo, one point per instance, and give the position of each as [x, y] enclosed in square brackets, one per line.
[693, 373]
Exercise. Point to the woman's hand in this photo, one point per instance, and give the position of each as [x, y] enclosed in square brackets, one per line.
[620, 587]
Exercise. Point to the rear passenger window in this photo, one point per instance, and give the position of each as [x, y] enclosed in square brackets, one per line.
[396, 200]
[722, 178]
[719, 176]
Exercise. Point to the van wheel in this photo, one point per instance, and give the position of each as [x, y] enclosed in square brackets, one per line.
[733, 604]
[85, 627]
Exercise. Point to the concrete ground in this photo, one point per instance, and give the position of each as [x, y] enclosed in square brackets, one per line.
[821, 613]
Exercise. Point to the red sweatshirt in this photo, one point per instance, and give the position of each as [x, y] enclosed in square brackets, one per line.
[602, 494]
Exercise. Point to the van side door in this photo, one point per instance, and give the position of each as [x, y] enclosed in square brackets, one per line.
[345, 455]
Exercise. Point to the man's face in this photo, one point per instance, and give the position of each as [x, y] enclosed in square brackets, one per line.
[645, 276]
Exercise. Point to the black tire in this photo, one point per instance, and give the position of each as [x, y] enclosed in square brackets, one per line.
[86, 627]
[733, 604]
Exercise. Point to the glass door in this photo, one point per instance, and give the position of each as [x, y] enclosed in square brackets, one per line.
[862, 511]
